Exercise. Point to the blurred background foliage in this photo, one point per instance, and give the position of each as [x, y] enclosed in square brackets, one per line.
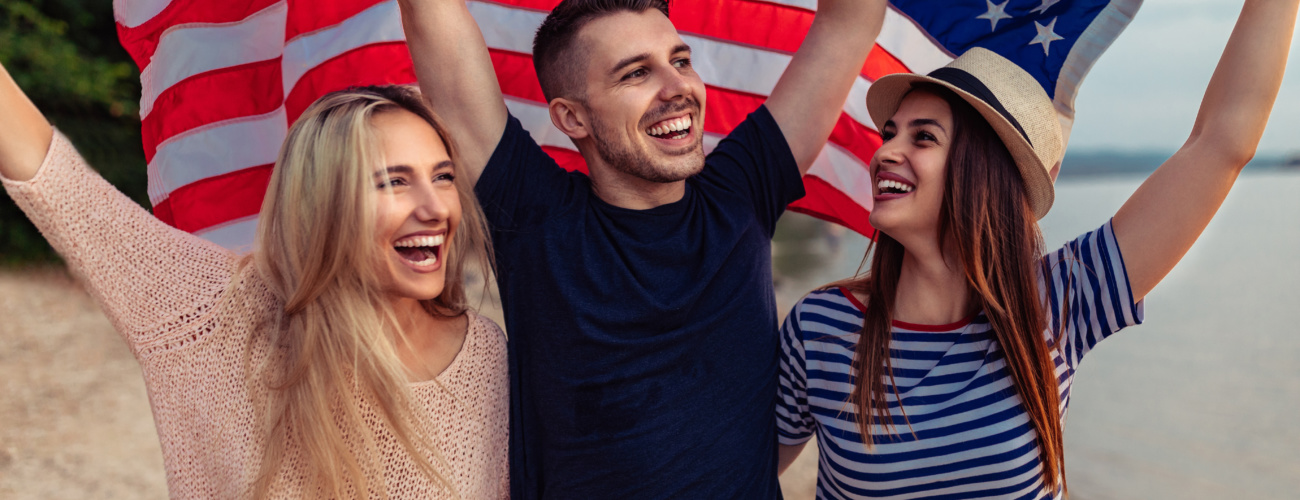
[65, 56]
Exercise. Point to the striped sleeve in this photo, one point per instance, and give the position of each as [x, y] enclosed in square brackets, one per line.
[1088, 293]
[794, 421]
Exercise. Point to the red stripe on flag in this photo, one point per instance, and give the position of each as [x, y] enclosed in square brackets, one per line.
[163, 211]
[516, 75]
[141, 41]
[375, 64]
[568, 159]
[827, 203]
[880, 63]
[232, 92]
[218, 200]
[767, 25]
[305, 17]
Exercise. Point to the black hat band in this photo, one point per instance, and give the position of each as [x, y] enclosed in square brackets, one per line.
[973, 86]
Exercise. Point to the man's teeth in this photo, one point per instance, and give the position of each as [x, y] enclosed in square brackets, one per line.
[670, 126]
[421, 241]
[895, 185]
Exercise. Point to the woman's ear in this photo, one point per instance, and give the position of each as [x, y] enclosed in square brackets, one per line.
[570, 117]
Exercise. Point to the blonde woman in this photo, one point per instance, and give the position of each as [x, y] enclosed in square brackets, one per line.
[340, 359]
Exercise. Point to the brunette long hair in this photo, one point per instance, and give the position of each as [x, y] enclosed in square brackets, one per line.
[987, 218]
[338, 335]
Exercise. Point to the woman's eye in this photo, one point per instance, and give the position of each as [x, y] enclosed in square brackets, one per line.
[448, 177]
[391, 183]
[887, 135]
[925, 136]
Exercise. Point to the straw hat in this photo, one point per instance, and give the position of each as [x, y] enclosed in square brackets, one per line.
[1008, 97]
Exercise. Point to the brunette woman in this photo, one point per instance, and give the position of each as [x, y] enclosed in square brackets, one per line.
[945, 370]
[340, 359]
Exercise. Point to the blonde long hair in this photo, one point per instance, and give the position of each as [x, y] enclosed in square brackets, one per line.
[336, 340]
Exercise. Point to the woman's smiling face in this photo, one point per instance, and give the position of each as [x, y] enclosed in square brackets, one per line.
[417, 206]
[910, 167]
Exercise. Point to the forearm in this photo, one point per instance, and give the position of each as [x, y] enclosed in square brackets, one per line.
[456, 75]
[1170, 210]
[786, 455]
[24, 133]
[1245, 83]
[810, 95]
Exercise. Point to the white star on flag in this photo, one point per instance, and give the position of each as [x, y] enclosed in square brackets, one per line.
[1047, 4]
[996, 13]
[1046, 35]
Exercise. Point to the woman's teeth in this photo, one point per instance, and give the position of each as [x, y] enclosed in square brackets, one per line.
[894, 186]
[670, 126]
[423, 248]
[421, 241]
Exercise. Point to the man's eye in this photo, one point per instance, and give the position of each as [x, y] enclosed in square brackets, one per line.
[682, 63]
[637, 73]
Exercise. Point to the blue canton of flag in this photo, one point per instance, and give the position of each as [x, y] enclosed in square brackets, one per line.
[1056, 41]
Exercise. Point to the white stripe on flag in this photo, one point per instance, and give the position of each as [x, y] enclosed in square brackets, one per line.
[1085, 52]
[132, 13]
[215, 150]
[192, 49]
[380, 23]
[236, 236]
[803, 4]
[911, 44]
[843, 170]
[505, 27]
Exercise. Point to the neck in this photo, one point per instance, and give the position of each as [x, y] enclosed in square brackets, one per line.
[621, 189]
[932, 288]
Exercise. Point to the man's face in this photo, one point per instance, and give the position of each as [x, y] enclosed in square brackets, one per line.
[645, 102]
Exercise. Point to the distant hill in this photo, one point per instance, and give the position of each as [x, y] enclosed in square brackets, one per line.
[1089, 163]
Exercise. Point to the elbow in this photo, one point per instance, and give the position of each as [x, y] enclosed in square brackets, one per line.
[1233, 152]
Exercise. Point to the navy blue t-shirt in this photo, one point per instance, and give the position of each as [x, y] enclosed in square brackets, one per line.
[643, 343]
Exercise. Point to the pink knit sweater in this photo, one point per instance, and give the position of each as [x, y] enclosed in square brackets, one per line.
[189, 314]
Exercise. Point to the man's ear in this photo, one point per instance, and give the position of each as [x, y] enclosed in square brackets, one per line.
[570, 117]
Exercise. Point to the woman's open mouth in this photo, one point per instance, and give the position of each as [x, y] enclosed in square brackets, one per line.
[420, 251]
[889, 188]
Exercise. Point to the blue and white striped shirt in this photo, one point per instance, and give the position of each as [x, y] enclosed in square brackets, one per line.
[972, 438]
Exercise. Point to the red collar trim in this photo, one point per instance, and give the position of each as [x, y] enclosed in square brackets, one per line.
[910, 326]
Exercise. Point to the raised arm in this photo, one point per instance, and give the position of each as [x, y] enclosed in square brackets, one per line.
[810, 94]
[456, 76]
[24, 133]
[1159, 223]
[145, 274]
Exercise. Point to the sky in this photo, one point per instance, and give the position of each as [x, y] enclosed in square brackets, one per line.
[1143, 94]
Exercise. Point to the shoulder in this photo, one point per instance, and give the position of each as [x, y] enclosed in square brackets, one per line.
[487, 330]
[825, 312]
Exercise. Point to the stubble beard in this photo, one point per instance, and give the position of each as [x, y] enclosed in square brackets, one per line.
[639, 163]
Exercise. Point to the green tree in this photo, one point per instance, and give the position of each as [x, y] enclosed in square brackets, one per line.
[65, 56]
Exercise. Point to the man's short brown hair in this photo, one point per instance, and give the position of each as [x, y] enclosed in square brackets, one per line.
[559, 64]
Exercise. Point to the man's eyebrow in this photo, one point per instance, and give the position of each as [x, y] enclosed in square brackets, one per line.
[628, 61]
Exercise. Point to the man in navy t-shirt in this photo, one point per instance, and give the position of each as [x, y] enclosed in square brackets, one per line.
[638, 299]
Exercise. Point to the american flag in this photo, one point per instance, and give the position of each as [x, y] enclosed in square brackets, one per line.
[223, 79]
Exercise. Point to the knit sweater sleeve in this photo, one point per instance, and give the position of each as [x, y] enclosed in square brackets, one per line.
[153, 281]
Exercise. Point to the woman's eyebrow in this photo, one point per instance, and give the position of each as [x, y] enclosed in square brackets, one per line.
[394, 169]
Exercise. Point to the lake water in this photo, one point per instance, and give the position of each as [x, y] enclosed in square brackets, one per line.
[1202, 401]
